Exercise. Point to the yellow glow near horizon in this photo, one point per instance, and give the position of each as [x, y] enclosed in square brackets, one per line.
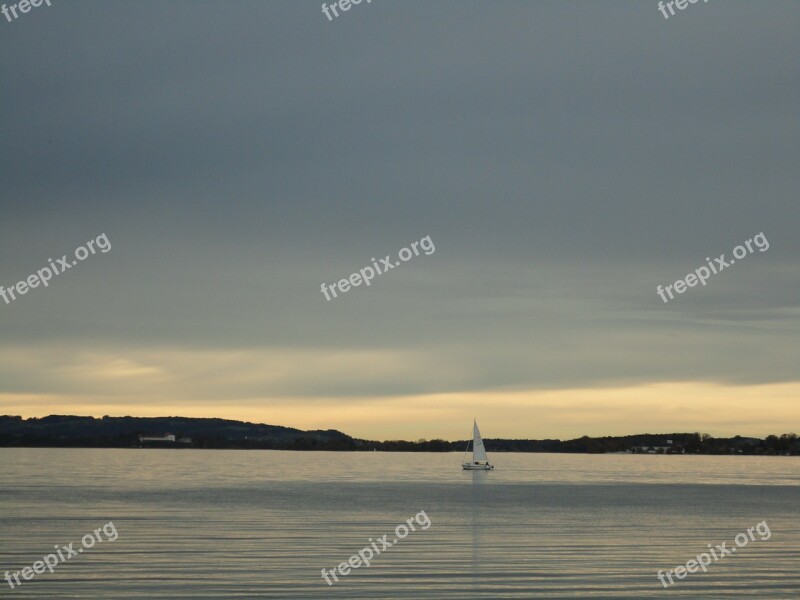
[721, 410]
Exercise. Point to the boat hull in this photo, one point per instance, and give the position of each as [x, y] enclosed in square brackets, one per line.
[478, 467]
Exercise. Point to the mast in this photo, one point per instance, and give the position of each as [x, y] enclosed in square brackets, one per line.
[467, 448]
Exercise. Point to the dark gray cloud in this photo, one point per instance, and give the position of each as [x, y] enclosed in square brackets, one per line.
[565, 157]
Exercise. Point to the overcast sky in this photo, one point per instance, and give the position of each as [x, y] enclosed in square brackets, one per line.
[565, 157]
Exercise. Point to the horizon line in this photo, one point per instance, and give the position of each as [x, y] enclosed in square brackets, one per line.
[388, 439]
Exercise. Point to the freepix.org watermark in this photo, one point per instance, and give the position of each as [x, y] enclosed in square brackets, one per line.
[50, 561]
[701, 274]
[679, 4]
[24, 6]
[45, 274]
[366, 554]
[367, 274]
[704, 558]
[344, 6]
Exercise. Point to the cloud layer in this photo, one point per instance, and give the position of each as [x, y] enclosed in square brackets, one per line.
[565, 157]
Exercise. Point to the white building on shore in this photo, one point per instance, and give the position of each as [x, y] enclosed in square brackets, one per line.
[167, 437]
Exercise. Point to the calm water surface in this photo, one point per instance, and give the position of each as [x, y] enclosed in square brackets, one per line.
[262, 524]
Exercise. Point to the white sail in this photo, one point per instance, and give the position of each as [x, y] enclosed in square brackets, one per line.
[478, 451]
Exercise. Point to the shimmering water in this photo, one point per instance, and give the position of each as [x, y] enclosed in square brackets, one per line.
[262, 524]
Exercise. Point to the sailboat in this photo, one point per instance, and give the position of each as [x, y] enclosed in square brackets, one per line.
[479, 460]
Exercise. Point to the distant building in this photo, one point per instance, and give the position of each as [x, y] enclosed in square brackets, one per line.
[167, 437]
[652, 449]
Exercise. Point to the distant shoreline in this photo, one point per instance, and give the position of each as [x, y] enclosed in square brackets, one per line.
[67, 431]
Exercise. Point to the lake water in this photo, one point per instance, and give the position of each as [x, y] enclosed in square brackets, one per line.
[262, 524]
